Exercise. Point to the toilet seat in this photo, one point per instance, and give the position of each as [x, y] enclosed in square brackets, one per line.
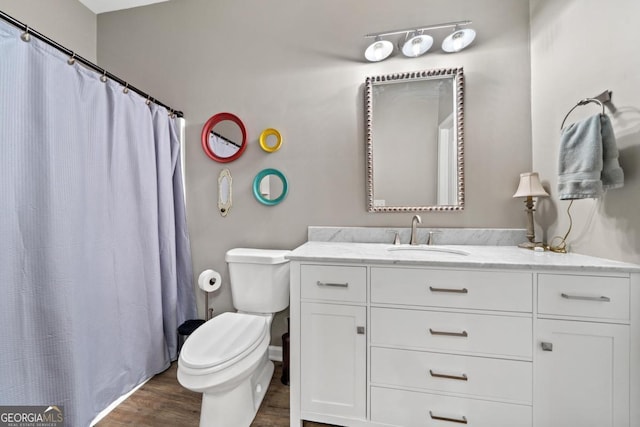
[223, 341]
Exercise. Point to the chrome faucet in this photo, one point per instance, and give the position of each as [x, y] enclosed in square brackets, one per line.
[414, 224]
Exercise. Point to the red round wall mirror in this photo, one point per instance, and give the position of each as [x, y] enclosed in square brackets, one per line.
[224, 137]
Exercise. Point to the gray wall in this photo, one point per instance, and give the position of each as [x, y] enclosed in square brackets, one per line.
[579, 48]
[297, 65]
[67, 22]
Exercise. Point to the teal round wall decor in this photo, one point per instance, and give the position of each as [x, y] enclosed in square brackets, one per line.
[269, 191]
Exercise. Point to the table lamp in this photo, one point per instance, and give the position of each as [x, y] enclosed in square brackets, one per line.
[529, 188]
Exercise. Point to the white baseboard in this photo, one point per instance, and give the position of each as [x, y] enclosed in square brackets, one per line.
[275, 353]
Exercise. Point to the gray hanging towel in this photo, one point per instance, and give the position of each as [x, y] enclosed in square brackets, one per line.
[612, 175]
[588, 159]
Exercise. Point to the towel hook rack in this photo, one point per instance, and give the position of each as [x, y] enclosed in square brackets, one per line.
[584, 101]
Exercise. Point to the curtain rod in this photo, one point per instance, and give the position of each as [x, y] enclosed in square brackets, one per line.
[84, 61]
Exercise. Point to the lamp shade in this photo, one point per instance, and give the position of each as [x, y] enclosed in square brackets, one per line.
[458, 40]
[416, 44]
[378, 50]
[530, 186]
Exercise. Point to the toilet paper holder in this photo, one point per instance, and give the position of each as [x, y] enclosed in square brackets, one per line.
[208, 312]
[209, 281]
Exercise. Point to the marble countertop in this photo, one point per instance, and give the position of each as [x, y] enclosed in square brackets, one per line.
[499, 257]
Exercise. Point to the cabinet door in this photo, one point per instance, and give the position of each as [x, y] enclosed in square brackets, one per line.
[581, 374]
[333, 359]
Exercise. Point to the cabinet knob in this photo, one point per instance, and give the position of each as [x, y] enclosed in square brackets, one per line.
[360, 330]
[546, 346]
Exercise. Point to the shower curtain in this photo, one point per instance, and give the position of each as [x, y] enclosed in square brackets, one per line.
[95, 268]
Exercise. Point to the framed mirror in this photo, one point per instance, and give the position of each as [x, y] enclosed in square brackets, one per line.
[270, 187]
[270, 140]
[224, 137]
[225, 199]
[415, 141]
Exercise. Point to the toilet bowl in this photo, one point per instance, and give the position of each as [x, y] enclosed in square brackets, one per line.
[226, 359]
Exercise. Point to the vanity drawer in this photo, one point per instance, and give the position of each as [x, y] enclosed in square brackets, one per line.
[469, 375]
[408, 409]
[452, 332]
[484, 290]
[584, 296]
[333, 283]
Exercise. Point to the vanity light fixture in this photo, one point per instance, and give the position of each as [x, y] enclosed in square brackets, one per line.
[416, 43]
[529, 188]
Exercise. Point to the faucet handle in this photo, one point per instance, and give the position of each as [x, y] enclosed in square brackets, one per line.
[396, 239]
[430, 238]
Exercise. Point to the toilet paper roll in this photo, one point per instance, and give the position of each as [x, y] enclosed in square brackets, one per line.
[209, 280]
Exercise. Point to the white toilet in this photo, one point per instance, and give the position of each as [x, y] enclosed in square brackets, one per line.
[226, 358]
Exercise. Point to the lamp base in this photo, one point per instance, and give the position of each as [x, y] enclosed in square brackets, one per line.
[532, 245]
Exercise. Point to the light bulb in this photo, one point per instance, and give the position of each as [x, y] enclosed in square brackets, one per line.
[415, 46]
[458, 41]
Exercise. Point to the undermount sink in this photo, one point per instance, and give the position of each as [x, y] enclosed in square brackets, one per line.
[422, 248]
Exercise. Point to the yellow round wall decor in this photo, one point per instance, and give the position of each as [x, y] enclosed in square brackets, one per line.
[270, 140]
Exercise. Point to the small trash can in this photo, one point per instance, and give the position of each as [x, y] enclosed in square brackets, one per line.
[187, 329]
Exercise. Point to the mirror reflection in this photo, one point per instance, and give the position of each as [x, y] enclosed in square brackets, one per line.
[225, 138]
[415, 141]
[270, 187]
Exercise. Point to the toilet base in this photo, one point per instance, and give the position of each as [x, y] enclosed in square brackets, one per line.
[237, 407]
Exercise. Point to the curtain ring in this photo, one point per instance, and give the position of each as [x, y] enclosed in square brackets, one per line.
[26, 37]
[126, 88]
[72, 60]
[103, 78]
[148, 101]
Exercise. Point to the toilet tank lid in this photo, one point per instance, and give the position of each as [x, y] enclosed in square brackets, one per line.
[257, 256]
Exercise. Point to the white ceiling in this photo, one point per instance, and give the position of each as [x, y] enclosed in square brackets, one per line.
[100, 6]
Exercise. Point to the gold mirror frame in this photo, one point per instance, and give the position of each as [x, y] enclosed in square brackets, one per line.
[458, 116]
[225, 192]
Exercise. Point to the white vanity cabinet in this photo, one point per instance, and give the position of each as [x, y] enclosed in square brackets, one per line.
[333, 346]
[582, 360]
[377, 343]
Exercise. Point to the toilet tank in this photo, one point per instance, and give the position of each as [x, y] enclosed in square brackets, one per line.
[259, 279]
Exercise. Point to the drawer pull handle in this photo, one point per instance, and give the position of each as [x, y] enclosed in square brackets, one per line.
[450, 334]
[546, 346]
[333, 285]
[462, 377]
[585, 298]
[452, 420]
[452, 291]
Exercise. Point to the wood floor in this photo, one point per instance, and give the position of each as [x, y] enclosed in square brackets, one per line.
[162, 401]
